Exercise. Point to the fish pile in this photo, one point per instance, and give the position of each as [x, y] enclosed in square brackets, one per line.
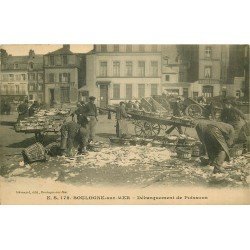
[48, 120]
[122, 157]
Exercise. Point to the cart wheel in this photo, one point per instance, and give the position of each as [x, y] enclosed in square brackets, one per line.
[194, 110]
[139, 128]
[151, 129]
[147, 129]
[155, 129]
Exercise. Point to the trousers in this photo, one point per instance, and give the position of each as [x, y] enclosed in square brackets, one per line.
[91, 127]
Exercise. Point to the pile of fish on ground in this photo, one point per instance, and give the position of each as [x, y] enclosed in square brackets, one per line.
[139, 165]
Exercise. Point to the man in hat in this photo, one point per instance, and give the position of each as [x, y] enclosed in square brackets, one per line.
[91, 113]
[33, 108]
[217, 137]
[236, 118]
[121, 116]
[23, 110]
[80, 112]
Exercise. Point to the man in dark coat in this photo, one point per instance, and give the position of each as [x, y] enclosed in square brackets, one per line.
[177, 111]
[74, 134]
[80, 112]
[236, 118]
[121, 124]
[23, 110]
[217, 137]
[91, 113]
[33, 108]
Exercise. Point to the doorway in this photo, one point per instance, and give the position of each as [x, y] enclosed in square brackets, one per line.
[52, 95]
[103, 95]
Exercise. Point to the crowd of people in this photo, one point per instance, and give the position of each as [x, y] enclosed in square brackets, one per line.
[217, 135]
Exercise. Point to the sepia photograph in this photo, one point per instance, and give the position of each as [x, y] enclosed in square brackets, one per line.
[124, 124]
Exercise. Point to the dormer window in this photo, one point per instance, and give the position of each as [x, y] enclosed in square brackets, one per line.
[31, 65]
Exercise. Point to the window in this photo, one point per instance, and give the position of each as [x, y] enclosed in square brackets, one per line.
[11, 77]
[65, 60]
[116, 68]
[141, 48]
[40, 76]
[18, 77]
[103, 68]
[31, 65]
[32, 76]
[51, 60]
[181, 77]
[23, 76]
[185, 92]
[103, 48]
[31, 87]
[116, 91]
[141, 68]
[154, 89]
[39, 87]
[6, 89]
[207, 72]
[237, 94]
[195, 94]
[165, 60]
[141, 91]
[154, 66]
[128, 91]
[64, 77]
[116, 48]
[17, 89]
[51, 77]
[154, 48]
[65, 94]
[208, 52]
[129, 69]
[207, 91]
[5, 78]
[15, 65]
[129, 48]
[167, 78]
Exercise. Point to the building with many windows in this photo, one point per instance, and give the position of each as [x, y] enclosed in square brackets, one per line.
[14, 77]
[123, 72]
[22, 77]
[35, 77]
[175, 69]
[61, 76]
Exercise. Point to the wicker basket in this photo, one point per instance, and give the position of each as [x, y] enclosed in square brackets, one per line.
[35, 152]
[236, 150]
[183, 153]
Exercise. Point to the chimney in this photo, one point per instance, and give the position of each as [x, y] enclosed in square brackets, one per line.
[66, 46]
[31, 53]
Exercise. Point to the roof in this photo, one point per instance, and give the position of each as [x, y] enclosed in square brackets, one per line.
[23, 62]
[62, 51]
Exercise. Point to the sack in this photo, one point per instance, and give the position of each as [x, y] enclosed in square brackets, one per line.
[35, 152]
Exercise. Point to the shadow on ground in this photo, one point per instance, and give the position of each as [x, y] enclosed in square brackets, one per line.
[29, 141]
[105, 135]
[7, 123]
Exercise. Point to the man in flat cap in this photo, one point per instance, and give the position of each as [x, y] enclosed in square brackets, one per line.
[91, 113]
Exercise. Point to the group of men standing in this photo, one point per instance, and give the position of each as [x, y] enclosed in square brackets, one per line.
[82, 132]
